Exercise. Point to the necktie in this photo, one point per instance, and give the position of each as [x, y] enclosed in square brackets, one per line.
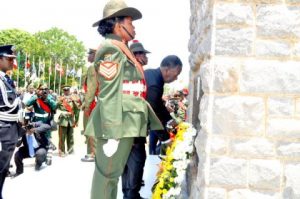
[10, 81]
[30, 145]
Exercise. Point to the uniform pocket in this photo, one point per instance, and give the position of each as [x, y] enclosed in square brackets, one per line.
[135, 115]
[4, 127]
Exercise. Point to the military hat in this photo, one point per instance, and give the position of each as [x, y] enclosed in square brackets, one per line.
[91, 51]
[185, 91]
[42, 86]
[30, 86]
[66, 87]
[136, 46]
[118, 8]
[7, 51]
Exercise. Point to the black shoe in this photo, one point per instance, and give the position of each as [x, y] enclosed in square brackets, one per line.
[48, 161]
[8, 174]
[37, 167]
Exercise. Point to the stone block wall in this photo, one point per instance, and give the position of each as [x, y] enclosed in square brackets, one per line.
[245, 99]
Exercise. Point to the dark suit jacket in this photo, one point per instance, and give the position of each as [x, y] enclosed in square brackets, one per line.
[39, 134]
[155, 90]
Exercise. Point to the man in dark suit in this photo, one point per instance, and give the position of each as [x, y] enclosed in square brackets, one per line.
[35, 144]
[168, 72]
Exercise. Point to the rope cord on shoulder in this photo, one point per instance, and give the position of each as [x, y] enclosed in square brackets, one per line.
[13, 105]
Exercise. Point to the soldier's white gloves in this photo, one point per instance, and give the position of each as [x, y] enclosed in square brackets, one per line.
[110, 147]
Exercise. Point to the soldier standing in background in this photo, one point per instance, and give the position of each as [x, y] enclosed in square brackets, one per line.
[90, 86]
[132, 177]
[66, 121]
[10, 129]
[76, 97]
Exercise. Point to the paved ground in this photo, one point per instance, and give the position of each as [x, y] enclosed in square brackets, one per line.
[67, 177]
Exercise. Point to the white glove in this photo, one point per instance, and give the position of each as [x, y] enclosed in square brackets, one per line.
[110, 147]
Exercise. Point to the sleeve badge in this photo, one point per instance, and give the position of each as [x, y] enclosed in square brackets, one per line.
[108, 70]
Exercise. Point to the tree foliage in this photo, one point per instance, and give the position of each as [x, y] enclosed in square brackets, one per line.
[53, 45]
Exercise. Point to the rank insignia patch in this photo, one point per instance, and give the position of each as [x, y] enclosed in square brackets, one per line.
[108, 69]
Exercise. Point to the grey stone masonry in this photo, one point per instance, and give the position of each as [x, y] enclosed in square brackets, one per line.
[245, 83]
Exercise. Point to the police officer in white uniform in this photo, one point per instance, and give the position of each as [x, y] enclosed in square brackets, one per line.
[10, 128]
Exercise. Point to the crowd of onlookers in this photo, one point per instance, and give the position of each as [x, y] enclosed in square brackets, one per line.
[39, 108]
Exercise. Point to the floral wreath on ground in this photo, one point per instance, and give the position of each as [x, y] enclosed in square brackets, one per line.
[173, 167]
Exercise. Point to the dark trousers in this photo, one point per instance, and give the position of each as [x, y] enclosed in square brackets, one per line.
[153, 139]
[8, 139]
[22, 153]
[5, 157]
[133, 172]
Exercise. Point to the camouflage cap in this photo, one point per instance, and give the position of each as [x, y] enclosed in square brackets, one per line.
[91, 51]
[7, 51]
[30, 86]
[66, 87]
[118, 8]
[136, 46]
[42, 86]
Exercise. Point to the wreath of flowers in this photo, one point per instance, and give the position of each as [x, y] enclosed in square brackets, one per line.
[172, 169]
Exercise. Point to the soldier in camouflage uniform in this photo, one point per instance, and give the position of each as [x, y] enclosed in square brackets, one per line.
[43, 105]
[90, 86]
[76, 97]
[66, 121]
[121, 113]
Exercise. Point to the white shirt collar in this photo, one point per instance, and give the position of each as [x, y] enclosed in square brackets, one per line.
[2, 73]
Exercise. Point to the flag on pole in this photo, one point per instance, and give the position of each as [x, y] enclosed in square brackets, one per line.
[79, 72]
[60, 69]
[27, 62]
[27, 67]
[33, 71]
[62, 72]
[57, 67]
[43, 69]
[25, 71]
[50, 68]
[15, 64]
[18, 62]
[39, 72]
[72, 72]
[49, 74]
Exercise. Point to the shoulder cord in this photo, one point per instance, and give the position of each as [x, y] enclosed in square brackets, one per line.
[13, 105]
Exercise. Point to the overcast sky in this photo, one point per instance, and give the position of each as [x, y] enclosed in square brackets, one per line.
[163, 30]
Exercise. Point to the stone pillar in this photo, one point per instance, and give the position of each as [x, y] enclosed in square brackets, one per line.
[245, 99]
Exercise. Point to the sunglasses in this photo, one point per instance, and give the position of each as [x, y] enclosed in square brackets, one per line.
[9, 58]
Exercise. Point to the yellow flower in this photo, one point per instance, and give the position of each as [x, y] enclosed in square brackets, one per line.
[165, 191]
[157, 194]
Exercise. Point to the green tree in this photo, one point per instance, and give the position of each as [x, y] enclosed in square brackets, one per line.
[23, 40]
[61, 47]
[54, 44]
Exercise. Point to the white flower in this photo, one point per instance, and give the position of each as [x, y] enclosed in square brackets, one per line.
[181, 157]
